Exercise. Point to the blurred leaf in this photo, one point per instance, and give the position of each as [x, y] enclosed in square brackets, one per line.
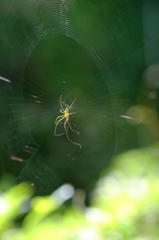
[12, 204]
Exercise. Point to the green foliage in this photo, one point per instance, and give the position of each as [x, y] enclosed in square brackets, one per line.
[125, 205]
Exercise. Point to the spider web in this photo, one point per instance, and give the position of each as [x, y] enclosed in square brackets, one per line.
[91, 52]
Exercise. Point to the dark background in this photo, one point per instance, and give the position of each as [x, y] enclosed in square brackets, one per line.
[104, 54]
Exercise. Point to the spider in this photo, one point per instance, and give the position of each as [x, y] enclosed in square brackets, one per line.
[65, 115]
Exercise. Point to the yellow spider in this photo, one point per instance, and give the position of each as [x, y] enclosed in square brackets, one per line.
[65, 116]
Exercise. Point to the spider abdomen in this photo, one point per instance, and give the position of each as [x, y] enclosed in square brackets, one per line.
[66, 113]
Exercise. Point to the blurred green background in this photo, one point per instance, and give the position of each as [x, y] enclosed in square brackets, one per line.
[105, 55]
[124, 205]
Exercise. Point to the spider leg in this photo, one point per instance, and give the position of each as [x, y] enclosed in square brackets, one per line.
[68, 136]
[62, 111]
[58, 118]
[57, 124]
[61, 104]
[72, 128]
[72, 103]
[72, 113]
